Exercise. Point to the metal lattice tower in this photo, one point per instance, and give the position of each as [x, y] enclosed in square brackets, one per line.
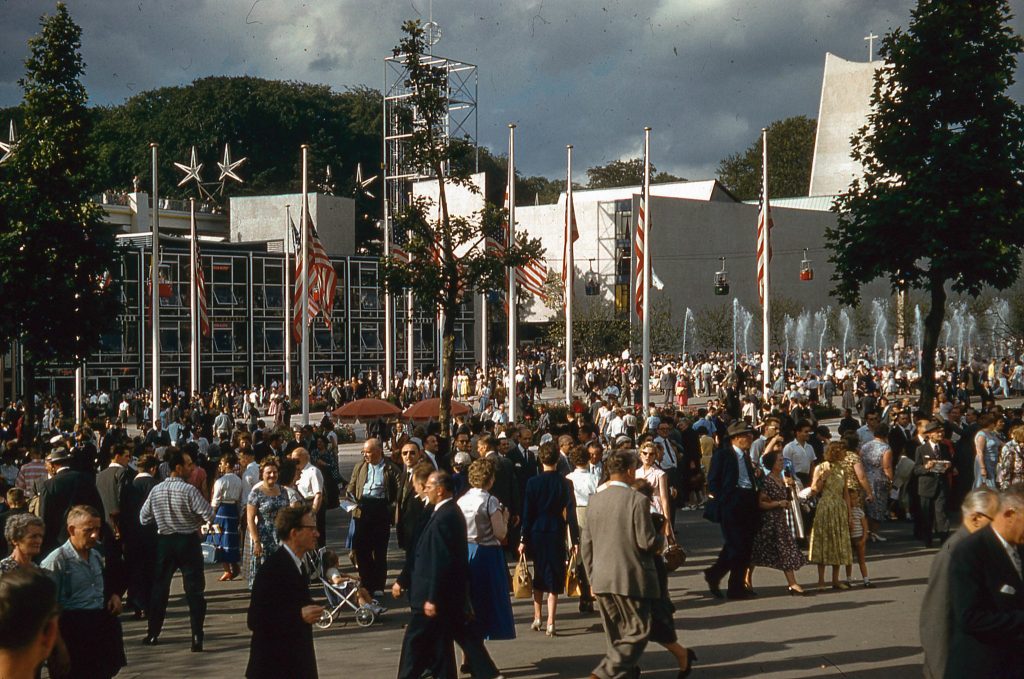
[460, 122]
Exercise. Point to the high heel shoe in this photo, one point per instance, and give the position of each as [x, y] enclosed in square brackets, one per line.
[797, 592]
[535, 626]
[550, 631]
[691, 658]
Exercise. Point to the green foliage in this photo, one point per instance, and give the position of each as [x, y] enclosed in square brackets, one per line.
[790, 152]
[595, 329]
[54, 249]
[665, 336]
[713, 327]
[625, 173]
[943, 154]
[448, 256]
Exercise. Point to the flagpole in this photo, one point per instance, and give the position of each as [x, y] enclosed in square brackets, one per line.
[766, 304]
[570, 274]
[513, 311]
[79, 392]
[305, 284]
[409, 344]
[154, 277]
[389, 320]
[646, 341]
[193, 363]
[288, 302]
[483, 334]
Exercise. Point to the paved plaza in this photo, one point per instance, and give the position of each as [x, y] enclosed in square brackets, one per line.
[858, 633]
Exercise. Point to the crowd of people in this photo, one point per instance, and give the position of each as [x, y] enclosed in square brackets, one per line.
[110, 516]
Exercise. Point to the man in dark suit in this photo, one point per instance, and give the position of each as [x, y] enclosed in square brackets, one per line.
[936, 620]
[932, 463]
[111, 483]
[139, 541]
[64, 489]
[732, 482]
[281, 611]
[437, 590]
[987, 588]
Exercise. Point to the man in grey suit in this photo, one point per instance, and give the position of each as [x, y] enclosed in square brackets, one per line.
[980, 505]
[620, 565]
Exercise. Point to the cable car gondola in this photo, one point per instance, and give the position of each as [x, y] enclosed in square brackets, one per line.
[592, 282]
[806, 272]
[722, 280]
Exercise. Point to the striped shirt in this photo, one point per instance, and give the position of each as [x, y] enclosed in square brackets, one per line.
[177, 507]
[30, 473]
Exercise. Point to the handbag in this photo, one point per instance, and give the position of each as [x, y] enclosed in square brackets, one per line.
[522, 581]
[675, 556]
[572, 578]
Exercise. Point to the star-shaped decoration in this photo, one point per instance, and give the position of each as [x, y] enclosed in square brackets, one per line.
[227, 168]
[191, 170]
[8, 146]
[363, 184]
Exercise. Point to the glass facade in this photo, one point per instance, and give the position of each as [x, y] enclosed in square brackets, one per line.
[245, 286]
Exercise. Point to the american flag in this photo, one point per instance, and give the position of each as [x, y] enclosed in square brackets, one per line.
[531, 276]
[322, 280]
[204, 313]
[639, 243]
[764, 215]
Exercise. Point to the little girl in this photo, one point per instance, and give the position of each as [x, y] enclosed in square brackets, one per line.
[346, 584]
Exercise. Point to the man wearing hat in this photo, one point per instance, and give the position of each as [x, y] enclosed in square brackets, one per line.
[64, 489]
[732, 483]
[932, 464]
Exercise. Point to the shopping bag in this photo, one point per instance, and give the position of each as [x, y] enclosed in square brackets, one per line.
[522, 581]
[572, 578]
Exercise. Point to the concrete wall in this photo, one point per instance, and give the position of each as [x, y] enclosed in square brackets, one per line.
[845, 104]
[260, 218]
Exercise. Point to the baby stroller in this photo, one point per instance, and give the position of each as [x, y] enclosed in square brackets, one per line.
[341, 596]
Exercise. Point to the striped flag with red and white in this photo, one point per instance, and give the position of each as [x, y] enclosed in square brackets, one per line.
[639, 243]
[764, 228]
[322, 281]
[204, 312]
[572, 235]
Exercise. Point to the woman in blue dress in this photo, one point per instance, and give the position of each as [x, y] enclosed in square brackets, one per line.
[549, 508]
[486, 527]
[987, 444]
[266, 499]
[226, 501]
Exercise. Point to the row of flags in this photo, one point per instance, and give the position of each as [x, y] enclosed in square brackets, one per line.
[323, 280]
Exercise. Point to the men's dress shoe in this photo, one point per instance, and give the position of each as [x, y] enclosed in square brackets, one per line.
[197, 643]
[149, 640]
[716, 591]
[740, 595]
[750, 591]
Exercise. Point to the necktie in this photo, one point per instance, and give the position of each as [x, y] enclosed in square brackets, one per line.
[1015, 558]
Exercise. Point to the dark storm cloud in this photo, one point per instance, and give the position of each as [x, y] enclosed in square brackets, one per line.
[705, 74]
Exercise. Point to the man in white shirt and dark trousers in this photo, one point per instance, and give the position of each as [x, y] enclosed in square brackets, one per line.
[178, 509]
[800, 453]
[310, 485]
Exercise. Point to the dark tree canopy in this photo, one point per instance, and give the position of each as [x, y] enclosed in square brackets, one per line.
[55, 251]
[625, 173]
[940, 201]
[790, 152]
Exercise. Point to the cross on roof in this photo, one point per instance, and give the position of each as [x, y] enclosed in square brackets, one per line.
[871, 38]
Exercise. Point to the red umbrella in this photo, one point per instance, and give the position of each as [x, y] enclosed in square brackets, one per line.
[430, 409]
[367, 409]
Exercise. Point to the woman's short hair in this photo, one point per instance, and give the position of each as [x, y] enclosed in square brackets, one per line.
[548, 453]
[835, 452]
[578, 456]
[16, 528]
[481, 473]
[28, 600]
[230, 458]
[270, 461]
[768, 459]
[986, 420]
[289, 519]
[882, 431]
[1017, 433]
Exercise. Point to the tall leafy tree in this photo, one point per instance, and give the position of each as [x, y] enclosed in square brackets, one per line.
[940, 202]
[448, 257]
[55, 252]
[625, 173]
[790, 152]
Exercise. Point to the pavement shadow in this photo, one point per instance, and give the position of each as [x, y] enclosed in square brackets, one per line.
[747, 617]
[553, 666]
[830, 664]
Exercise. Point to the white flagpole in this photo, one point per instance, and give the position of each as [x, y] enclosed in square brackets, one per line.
[154, 277]
[79, 392]
[570, 275]
[389, 339]
[513, 311]
[765, 307]
[646, 341]
[288, 302]
[305, 284]
[483, 334]
[409, 344]
[193, 366]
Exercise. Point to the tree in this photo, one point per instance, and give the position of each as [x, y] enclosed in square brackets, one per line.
[448, 260]
[625, 173]
[595, 329]
[665, 336]
[55, 252]
[943, 155]
[790, 152]
[713, 327]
